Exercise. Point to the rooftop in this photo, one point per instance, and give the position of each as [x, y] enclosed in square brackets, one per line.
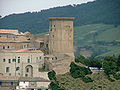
[25, 50]
[61, 18]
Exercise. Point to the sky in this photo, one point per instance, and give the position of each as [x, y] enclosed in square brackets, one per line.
[20, 6]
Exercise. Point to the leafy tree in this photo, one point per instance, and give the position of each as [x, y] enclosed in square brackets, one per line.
[51, 75]
[55, 86]
[110, 65]
[78, 71]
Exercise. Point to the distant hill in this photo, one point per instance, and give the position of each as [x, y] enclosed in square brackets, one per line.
[99, 11]
[97, 39]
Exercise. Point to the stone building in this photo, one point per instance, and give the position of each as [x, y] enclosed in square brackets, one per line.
[24, 54]
[60, 44]
[21, 63]
[13, 40]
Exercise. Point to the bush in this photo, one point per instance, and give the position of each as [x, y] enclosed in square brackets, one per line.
[51, 75]
[54, 86]
[117, 76]
[87, 79]
[110, 79]
[78, 71]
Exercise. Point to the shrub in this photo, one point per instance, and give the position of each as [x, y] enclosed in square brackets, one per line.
[51, 75]
[117, 76]
[54, 86]
[78, 71]
[110, 79]
[87, 79]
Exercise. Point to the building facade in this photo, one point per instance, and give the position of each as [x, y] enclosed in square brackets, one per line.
[21, 63]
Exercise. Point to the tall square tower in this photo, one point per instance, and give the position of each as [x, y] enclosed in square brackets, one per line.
[61, 36]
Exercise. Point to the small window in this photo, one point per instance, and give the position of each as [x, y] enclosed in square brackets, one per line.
[18, 60]
[53, 36]
[36, 58]
[4, 60]
[50, 29]
[56, 58]
[18, 57]
[11, 83]
[7, 69]
[17, 68]
[47, 45]
[26, 75]
[28, 60]
[40, 57]
[14, 60]
[27, 69]
[9, 60]
[8, 47]
[54, 25]
[9, 74]
[3, 47]
[0, 83]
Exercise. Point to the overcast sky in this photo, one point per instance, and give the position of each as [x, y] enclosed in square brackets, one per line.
[19, 6]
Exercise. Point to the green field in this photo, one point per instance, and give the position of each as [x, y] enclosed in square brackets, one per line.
[87, 35]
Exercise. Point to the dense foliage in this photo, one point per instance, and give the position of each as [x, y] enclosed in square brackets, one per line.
[99, 11]
[77, 71]
[54, 85]
[51, 75]
[91, 61]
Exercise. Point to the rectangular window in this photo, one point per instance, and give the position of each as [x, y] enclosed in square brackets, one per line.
[27, 69]
[40, 57]
[0, 83]
[28, 60]
[26, 75]
[7, 69]
[17, 68]
[18, 60]
[11, 83]
[4, 60]
[14, 60]
[9, 60]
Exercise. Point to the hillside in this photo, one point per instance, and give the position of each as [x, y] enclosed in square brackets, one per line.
[99, 11]
[100, 82]
[97, 39]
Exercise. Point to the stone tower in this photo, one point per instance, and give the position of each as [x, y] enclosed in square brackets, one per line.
[61, 36]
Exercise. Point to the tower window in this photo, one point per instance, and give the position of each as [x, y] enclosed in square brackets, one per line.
[7, 69]
[8, 47]
[3, 47]
[54, 25]
[4, 60]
